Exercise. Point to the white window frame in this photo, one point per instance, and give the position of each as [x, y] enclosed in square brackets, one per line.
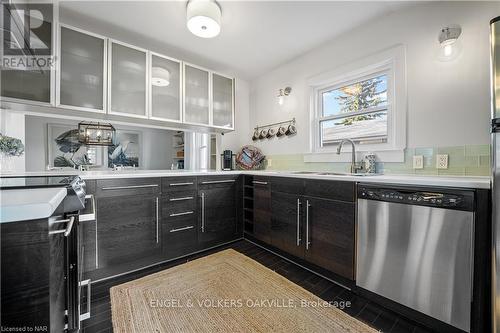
[390, 62]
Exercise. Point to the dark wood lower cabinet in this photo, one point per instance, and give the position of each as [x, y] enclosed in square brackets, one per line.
[330, 235]
[287, 223]
[179, 236]
[128, 234]
[218, 217]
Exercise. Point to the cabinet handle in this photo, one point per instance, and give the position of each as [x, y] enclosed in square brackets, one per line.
[157, 218]
[180, 214]
[219, 181]
[307, 224]
[180, 184]
[181, 199]
[298, 222]
[182, 229]
[259, 182]
[202, 212]
[68, 229]
[128, 187]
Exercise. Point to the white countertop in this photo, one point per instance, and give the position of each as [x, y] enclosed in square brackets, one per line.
[450, 181]
[29, 204]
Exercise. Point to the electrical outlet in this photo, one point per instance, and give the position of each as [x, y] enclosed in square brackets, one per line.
[442, 161]
[269, 162]
[418, 162]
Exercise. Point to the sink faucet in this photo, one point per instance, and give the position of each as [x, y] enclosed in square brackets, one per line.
[355, 167]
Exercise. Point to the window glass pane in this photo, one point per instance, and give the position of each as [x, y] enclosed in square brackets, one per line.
[367, 126]
[355, 97]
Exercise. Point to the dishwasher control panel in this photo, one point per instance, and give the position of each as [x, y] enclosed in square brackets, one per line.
[461, 200]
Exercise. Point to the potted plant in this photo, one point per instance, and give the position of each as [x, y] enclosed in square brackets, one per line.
[9, 147]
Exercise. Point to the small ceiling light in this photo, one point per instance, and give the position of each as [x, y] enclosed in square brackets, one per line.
[203, 18]
[95, 134]
[447, 37]
[282, 93]
[160, 77]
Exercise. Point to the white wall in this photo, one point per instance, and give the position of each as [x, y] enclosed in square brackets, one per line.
[448, 102]
[156, 145]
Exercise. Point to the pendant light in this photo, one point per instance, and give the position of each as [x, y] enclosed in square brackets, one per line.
[203, 18]
[160, 77]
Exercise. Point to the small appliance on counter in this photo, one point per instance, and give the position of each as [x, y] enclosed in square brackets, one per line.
[228, 160]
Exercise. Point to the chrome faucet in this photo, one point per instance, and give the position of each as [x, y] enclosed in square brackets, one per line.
[355, 167]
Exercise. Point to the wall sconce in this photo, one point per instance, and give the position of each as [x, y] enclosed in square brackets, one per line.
[95, 134]
[282, 94]
[447, 37]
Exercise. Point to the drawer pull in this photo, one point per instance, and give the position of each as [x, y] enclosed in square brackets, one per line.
[128, 187]
[182, 229]
[259, 182]
[181, 184]
[219, 181]
[181, 199]
[180, 214]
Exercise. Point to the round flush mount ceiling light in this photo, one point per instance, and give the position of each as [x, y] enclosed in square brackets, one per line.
[203, 18]
[160, 77]
[447, 37]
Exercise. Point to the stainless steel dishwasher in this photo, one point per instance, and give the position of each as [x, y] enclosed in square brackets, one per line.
[415, 247]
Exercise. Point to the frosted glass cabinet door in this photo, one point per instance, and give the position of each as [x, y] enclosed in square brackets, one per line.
[128, 80]
[165, 88]
[32, 83]
[81, 81]
[196, 95]
[222, 101]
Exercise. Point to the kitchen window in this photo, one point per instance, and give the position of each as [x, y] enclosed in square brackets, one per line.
[364, 101]
[356, 110]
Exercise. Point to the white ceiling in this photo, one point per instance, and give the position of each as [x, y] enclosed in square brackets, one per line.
[256, 36]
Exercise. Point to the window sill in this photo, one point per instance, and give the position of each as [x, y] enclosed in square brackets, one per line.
[391, 156]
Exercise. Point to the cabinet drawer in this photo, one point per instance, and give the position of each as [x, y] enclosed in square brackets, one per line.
[263, 183]
[287, 185]
[177, 203]
[330, 189]
[129, 186]
[179, 237]
[177, 184]
[217, 181]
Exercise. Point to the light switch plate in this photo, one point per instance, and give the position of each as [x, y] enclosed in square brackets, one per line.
[418, 162]
[442, 161]
[269, 162]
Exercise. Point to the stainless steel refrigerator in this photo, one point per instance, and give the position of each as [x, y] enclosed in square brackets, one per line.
[495, 158]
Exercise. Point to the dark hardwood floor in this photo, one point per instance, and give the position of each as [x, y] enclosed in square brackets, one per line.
[369, 312]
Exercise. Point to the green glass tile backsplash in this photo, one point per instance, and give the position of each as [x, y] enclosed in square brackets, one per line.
[469, 160]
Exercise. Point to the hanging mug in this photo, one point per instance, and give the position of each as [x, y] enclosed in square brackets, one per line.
[291, 130]
[255, 136]
[281, 131]
[263, 134]
[271, 132]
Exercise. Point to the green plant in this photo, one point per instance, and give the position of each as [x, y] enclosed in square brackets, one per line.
[11, 146]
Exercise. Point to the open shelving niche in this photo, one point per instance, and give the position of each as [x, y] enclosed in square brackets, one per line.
[248, 204]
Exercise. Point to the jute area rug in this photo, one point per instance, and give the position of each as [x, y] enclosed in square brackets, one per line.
[223, 292]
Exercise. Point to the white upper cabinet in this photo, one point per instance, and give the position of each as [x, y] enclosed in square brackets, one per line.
[222, 101]
[165, 91]
[81, 76]
[196, 95]
[127, 80]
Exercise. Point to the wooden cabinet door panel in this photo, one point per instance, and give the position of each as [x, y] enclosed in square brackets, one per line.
[127, 233]
[217, 214]
[287, 223]
[331, 235]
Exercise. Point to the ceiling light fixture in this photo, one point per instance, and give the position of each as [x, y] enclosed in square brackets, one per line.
[203, 18]
[160, 77]
[447, 37]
